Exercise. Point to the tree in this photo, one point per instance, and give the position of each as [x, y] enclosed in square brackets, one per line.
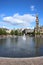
[12, 32]
[4, 32]
[1, 31]
[16, 32]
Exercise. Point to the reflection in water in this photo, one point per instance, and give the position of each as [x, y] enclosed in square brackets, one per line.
[16, 47]
[37, 40]
[39, 46]
[3, 42]
[16, 39]
[24, 37]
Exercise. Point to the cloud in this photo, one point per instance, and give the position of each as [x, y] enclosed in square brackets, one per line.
[20, 20]
[32, 7]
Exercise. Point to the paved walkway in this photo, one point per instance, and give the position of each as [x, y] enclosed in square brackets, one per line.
[21, 61]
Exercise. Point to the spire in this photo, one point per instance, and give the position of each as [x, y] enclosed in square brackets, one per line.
[37, 20]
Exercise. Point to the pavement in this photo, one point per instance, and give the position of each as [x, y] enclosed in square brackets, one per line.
[21, 61]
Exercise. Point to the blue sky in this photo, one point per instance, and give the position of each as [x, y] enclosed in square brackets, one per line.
[20, 13]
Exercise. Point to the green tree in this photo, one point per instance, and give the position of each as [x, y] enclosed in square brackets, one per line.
[16, 32]
[19, 33]
[12, 32]
[3, 32]
[34, 32]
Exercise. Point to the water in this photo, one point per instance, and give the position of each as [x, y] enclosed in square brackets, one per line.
[19, 48]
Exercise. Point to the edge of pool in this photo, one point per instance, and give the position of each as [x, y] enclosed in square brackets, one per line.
[21, 61]
[21, 58]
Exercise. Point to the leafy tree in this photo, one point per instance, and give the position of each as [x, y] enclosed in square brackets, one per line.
[20, 33]
[16, 32]
[3, 32]
[34, 32]
[12, 32]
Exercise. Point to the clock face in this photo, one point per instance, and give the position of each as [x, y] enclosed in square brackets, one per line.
[37, 20]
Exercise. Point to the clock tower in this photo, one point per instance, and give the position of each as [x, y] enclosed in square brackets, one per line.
[37, 24]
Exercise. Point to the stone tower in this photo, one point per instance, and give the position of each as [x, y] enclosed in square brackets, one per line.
[37, 23]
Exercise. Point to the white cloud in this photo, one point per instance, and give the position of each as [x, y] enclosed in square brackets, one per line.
[32, 7]
[21, 20]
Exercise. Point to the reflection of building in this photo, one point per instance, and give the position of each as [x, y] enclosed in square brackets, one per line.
[37, 46]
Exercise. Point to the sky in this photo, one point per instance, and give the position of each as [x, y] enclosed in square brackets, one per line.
[20, 13]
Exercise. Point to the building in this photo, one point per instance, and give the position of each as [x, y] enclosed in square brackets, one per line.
[38, 29]
[41, 30]
[7, 30]
[28, 31]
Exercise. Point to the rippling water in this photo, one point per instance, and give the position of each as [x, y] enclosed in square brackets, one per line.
[18, 47]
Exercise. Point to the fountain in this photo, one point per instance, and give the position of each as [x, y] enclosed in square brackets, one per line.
[24, 37]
